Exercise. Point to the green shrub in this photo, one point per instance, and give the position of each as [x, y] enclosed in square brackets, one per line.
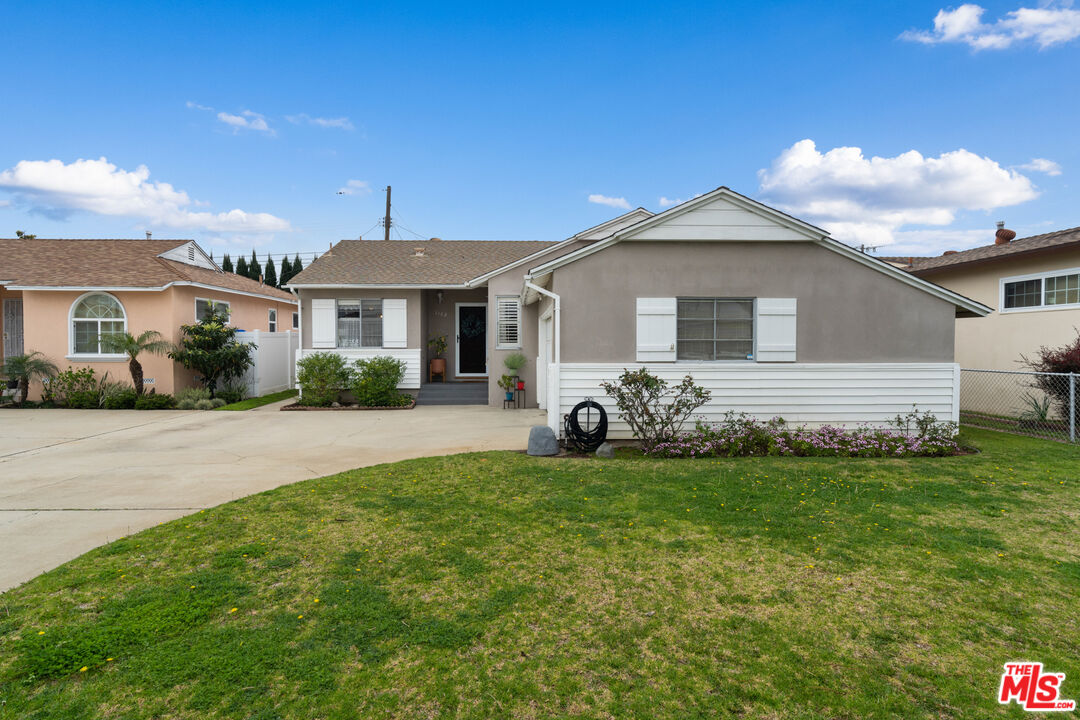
[204, 404]
[217, 402]
[514, 362]
[191, 396]
[121, 399]
[375, 382]
[231, 393]
[155, 401]
[321, 377]
[78, 389]
[654, 410]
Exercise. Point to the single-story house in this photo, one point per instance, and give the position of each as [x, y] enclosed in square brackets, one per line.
[1034, 282]
[60, 296]
[768, 312]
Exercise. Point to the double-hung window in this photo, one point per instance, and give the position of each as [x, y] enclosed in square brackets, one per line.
[359, 323]
[272, 319]
[715, 329]
[203, 305]
[508, 317]
[1047, 290]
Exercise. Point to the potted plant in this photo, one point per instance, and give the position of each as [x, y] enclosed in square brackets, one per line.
[514, 362]
[507, 383]
[437, 363]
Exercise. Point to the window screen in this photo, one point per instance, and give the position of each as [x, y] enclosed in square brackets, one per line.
[715, 329]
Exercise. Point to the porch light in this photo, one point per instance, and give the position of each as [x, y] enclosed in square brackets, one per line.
[438, 296]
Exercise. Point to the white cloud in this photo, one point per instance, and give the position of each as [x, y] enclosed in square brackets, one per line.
[615, 202]
[1049, 25]
[866, 200]
[666, 202]
[56, 189]
[1042, 165]
[340, 123]
[355, 187]
[247, 120]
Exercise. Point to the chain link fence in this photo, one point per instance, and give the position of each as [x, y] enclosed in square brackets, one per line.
[1044, 405]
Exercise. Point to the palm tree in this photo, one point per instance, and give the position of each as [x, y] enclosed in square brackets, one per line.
[26, 368]
[149, 341]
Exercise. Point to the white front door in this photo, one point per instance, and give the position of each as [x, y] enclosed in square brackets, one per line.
[13, 328]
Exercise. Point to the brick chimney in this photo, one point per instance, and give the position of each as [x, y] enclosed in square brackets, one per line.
[1003, 236]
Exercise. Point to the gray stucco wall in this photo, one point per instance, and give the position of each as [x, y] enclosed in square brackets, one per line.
[847, 312]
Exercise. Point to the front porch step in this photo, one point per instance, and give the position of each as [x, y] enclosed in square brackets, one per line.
[453, 394]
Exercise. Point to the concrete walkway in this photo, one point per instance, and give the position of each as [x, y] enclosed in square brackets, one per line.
[71, 480]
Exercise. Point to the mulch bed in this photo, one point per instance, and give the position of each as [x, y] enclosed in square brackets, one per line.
[296, 407]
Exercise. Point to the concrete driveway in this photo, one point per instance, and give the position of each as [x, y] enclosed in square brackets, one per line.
[71, 480]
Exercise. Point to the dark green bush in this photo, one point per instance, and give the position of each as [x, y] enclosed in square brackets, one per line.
[155, 402]
[321, 377]
[121, 400]
[375, 382]
[72, 388]
[232, 393]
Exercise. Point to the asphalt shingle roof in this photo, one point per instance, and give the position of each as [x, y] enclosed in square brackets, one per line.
[110, 263]
[989, 253]
[397, 262]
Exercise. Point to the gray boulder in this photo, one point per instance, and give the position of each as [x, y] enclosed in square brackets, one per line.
[542, 441]
[606, 450]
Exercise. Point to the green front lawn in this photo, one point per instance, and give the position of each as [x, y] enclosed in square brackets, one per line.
[501, 586]
[252, 403]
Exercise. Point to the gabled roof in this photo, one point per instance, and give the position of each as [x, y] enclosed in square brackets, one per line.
[115, 264]
[991, 253]
[420, 263]
[795, 229]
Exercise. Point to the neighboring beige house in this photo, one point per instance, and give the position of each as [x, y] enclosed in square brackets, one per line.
[1034, 284]
[59, 296]
[766, 311]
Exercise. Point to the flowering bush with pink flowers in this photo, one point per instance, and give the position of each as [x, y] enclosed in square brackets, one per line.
[913, 435]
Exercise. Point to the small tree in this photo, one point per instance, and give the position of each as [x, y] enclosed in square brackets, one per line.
[226, 263]
[270, 273]
[209, 347]
[241, 267]
[1064, 359]
[26, 368]
[149, 341]
[25, 235]
[655, 411]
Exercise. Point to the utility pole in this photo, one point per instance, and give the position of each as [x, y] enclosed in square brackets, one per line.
[386, 220]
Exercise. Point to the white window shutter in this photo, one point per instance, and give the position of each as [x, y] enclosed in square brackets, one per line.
[509, 322]
[395, 323]
[323, 323]
[656, 329]
[776, 321]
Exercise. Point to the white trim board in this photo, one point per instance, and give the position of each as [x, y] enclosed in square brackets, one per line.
[157, 288]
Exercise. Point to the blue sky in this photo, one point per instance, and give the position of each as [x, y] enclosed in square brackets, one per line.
[501, 122]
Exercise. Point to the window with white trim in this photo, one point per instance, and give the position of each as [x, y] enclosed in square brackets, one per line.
[92, 317]
[203, 305]
[1048, 290]
[715, 329]
[359, 323]
[272, 319]
[508, 320]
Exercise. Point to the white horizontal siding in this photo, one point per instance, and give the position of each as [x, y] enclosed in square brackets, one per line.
[810, 394]
[719, 220]
[410, 356]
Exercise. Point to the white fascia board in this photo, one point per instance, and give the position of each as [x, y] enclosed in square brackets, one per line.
[161, 288]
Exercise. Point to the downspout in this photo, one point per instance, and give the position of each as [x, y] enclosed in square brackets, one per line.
[555, 374]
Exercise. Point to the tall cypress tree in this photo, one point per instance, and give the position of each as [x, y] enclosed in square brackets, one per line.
[254, 268]
[270, 273]
[286, 271]
[226, 263]
[241, 267]
[297, 266]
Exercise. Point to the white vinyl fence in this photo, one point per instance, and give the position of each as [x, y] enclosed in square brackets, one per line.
[275, 361]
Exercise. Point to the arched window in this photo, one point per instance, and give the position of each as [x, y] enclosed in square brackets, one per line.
[93, 316]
